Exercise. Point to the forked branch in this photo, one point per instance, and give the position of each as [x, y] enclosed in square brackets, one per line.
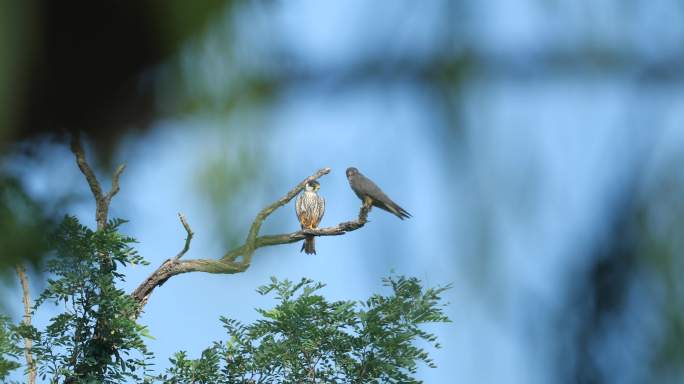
[102, 201]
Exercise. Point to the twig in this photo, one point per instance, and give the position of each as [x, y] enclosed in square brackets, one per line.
[187, 239]
[228, 264]
[28, 343]
[115, 182]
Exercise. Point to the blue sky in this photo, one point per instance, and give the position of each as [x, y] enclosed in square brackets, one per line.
[494, 284]
[503, 204]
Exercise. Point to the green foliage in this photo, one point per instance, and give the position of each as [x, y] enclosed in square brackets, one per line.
[95, 339]
[307, 339]
[303, 339]
[9, 352]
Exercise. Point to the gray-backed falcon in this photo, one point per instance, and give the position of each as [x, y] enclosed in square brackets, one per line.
[310, 209]
[371, 194]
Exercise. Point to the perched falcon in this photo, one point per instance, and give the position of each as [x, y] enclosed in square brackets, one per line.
[371, 194]
[310, 209]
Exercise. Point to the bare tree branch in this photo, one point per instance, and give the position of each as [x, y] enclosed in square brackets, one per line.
[28, 343]
[228, 264]
[187, 239]
[115, 182]
[101, 201]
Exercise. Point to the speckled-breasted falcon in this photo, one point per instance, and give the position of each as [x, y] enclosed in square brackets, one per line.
[371, 194]
[310, 209]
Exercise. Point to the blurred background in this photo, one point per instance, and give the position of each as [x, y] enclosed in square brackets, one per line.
[537, 143]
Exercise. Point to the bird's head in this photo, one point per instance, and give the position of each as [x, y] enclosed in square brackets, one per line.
[351, 171]
[313, 185]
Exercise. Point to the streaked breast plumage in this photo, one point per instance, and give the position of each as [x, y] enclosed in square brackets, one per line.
[310, 208]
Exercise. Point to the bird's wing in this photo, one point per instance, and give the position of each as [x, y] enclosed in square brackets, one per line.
[392, 207]
[381, 200]
[372, 190]
[321, 210]
[298, 207]
[367, 187]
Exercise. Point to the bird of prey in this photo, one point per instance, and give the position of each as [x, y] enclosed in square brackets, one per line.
[310, 209]
[371, 194]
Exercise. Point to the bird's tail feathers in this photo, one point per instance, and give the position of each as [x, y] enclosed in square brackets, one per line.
[399, 211]
[309, 246]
